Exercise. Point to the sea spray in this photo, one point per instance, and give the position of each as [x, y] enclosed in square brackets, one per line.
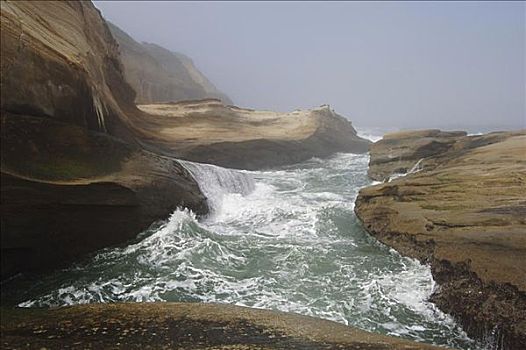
[284, 239]
[215, 181]
[414, 169]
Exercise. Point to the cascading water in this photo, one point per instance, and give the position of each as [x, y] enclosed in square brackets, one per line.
[215, 181]
[285, 239]
[414, 169]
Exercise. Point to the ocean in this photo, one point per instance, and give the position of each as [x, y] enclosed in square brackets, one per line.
[282, 239]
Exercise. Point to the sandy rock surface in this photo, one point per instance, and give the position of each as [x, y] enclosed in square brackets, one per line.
[464, 212]
[209, 131]
[183, 326]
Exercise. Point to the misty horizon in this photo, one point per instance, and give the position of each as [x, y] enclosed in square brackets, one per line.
[249, 175]
[397, 65]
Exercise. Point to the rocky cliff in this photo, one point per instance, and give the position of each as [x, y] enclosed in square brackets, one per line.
[208, 131]
[160, 75]
[74, 178]
[83, 168]
[462, 209]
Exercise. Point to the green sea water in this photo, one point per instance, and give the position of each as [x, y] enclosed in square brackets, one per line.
[284, 239]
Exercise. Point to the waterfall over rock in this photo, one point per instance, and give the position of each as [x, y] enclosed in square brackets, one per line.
[282, 239]
[215, 181]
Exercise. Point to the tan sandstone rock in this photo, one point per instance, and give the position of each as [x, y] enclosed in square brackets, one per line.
[464, 212]
[188, 326]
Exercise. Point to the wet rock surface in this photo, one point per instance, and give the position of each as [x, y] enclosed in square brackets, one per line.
[182, 326]
[398, 152]
[463, 212]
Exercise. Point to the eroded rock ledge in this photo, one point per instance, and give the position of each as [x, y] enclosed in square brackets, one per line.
[74, 177]
[209, 131]
[78, 156]
[183, 326]
[464, 212]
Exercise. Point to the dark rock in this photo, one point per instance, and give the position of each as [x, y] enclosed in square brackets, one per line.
[184, 326]
[74, 178]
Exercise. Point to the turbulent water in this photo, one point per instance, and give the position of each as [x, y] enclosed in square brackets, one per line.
[286, 239]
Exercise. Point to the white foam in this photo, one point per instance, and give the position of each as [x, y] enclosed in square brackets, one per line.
[369, 134]
[414, 169]
[216, 181]
[284, 240]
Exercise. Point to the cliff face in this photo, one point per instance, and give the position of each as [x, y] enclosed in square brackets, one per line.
[73, 176]
[159, 75]
[59, 58]
[71, 130]
[463, 211]
[208, 131]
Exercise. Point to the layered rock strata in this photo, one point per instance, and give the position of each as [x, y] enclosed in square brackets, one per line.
[74, 142]
[209, 131]
[463, 211]
[74, 176]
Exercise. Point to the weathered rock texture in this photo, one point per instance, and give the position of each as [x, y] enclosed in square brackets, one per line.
[160, 75]
[83, 168]
[399, 152]
[464, 213]
[183, 326]
[74, 178]
[208, 131]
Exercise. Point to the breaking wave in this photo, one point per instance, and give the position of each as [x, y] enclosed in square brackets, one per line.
[285, 239]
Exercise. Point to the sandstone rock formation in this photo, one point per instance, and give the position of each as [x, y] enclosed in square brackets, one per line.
[208, 131]
[83, 168]
[399, 152]
[160, 75]
[183, 326]
[74, 178]
[464, 212]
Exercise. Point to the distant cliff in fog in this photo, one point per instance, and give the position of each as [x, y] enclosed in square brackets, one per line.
[160, 75]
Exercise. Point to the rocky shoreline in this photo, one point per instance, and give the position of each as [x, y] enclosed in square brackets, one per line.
[189, 326]
[208, 131]
[83, 168]
[74, 176]
[461, 210]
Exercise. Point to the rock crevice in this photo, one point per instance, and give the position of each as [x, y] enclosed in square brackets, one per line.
[445, 215]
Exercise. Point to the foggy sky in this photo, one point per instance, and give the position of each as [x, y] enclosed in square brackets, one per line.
[404, 64]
